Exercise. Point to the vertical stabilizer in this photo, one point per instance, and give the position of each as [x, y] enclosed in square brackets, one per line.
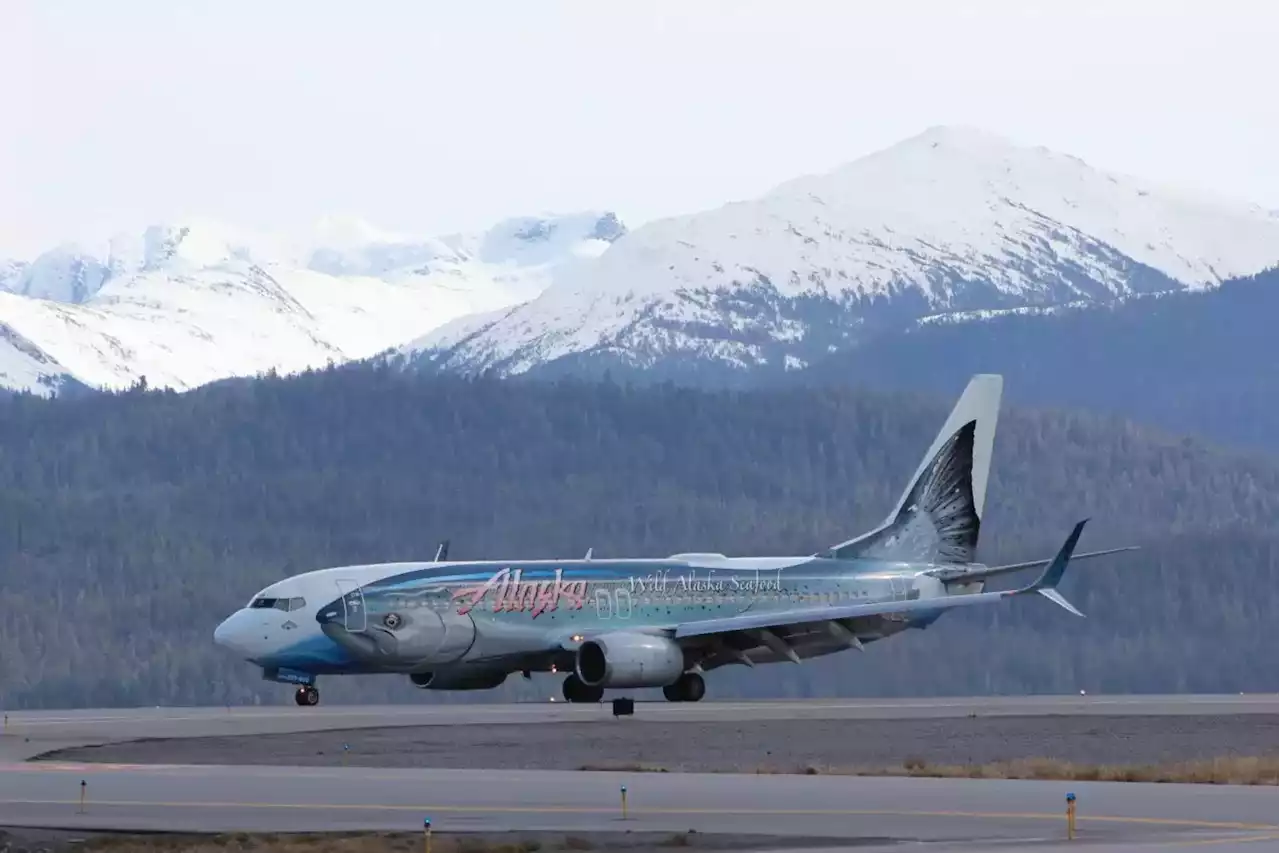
[938, 516]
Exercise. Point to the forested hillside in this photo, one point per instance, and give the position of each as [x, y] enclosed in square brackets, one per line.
[130, 524]
[1199, 362]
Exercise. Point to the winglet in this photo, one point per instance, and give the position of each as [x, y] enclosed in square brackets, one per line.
[1047, 583]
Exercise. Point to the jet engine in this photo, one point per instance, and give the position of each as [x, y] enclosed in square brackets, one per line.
[629, 660]
[486, 680]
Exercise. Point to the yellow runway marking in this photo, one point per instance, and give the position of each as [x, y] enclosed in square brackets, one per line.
[493, 809]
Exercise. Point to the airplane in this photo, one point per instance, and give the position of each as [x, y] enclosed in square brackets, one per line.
[652, 622]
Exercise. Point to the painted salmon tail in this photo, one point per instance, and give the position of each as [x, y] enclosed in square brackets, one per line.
[939, 515]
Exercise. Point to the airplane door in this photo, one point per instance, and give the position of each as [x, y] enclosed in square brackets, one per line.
[899, 588]
[352, 605]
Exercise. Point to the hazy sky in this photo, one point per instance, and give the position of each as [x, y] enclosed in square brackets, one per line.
[434, 117]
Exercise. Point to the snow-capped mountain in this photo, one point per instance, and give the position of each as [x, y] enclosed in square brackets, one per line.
[186, 304]
[949, 225]
[66, 274]
[954, 219]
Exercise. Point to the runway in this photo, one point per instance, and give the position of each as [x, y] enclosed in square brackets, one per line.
[868, 813]
[975, 814]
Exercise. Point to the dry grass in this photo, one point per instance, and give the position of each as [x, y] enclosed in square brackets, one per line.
[1251, 770]
[368, 842]
[364, 842]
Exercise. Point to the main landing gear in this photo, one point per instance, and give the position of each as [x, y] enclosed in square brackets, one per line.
[575, 691]
[688, 688]
[307, 695]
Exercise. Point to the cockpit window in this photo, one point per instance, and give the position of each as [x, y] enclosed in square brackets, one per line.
[285, 604]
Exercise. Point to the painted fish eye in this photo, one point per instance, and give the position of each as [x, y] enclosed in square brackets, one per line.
[392, 620]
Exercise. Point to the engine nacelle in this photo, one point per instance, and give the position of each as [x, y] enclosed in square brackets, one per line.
[458, 680]
[629, 660]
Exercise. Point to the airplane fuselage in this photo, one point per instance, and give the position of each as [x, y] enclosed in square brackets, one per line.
[473, 623]
[635, 623]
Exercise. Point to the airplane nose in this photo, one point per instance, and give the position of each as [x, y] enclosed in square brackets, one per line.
[231, 634]
[222, 634]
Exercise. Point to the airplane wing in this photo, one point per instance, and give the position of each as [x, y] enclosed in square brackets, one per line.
[1045, 585]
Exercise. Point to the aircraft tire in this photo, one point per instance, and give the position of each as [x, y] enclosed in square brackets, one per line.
[689, 687]
[306, 696]
[575, 691]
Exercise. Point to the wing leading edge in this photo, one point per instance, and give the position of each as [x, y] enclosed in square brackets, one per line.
[1045, 585]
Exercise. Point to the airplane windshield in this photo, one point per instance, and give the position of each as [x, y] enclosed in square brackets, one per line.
[285, 604]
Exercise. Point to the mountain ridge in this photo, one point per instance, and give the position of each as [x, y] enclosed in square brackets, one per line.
[951, 224]
[950, 220]
[184, 304]
[1187, 362]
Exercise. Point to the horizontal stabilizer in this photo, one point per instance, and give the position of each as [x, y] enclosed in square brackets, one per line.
[966, 574]
[1056, 597]
[1047, 583]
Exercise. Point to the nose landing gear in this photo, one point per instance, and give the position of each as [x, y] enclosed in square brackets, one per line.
[307, 695]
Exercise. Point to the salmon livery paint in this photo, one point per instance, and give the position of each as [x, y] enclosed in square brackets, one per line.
[650, 622]
[511, 593]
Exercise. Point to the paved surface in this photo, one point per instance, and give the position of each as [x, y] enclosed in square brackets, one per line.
[726, 745]
[30, 733]
[972, 814]
[854, 812]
